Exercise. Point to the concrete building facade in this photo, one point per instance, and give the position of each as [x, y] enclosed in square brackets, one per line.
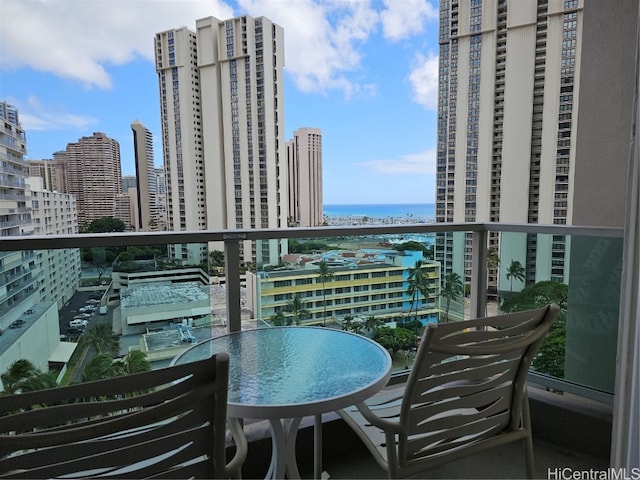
[364, 284]
[28, 324]
[55, 213]
[507, 125]
[94, 176]
[304, 171]
[146, 185]
[225, 79]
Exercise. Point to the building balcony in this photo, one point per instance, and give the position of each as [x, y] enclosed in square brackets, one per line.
[573, 392]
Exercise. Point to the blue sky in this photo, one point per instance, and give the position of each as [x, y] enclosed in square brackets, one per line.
[365, 72]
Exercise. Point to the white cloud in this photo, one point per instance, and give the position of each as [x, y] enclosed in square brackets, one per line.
[34, 116]
[413, 163]
[80, 39]
[401, 19]
[424, 81]
[321, 40]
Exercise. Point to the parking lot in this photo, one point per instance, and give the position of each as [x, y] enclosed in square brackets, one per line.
[73, 308]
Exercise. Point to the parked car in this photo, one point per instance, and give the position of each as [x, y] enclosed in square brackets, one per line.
[73, 332]
[77, 323]
[103, 310]
[93, 300]
[83, 315]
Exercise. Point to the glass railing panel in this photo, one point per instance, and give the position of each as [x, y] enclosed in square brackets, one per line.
[366, 284]
[582, 274]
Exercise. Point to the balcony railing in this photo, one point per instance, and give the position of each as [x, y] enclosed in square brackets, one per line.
[586, 277]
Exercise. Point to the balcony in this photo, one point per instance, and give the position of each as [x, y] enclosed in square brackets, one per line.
[572, 403]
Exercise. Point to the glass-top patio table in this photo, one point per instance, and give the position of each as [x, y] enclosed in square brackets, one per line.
[286, 373]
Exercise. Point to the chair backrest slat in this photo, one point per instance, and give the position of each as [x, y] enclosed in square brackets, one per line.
[148, 424]
[468, 381]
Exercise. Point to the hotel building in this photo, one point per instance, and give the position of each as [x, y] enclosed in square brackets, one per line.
[222, 114]
[304, 169]
[364, 284]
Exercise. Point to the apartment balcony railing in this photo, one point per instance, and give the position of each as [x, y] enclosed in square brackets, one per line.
[586, 345]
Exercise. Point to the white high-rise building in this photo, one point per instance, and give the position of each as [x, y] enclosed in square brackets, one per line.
[55, 213]
[29, 325]
[222, 113]
[507, 124]
[304, 170]
[146, 186]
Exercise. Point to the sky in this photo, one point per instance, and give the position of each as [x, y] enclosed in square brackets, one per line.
[364, 72]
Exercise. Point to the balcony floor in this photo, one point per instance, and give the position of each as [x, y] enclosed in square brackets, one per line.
[345, 457]
[502, 462]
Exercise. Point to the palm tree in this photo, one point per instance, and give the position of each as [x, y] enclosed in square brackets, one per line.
[493, 262]
[452, 289]
[418, 285]
[493, 259]
[102, 338]
[23, 376]
[100, 367]
[135, 361]
[372, 322]
[295, 306]
[278, 319]
[515, 270]
[324, 275]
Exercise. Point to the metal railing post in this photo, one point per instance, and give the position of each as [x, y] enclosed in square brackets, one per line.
[479, 274]
[232, 276]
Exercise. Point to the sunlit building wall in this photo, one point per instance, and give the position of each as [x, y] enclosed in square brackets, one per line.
[146, 186]
[94, 176]
[304, 173]
[225, 79]
[55, 213]
[507, 123]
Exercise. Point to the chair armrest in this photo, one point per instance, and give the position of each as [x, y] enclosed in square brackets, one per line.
[233, 467]
[371, 417]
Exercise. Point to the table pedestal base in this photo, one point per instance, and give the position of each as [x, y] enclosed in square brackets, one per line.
[283, 448]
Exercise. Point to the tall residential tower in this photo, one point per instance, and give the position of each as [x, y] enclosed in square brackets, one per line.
[221, 101]
[147, 212]
[304, 169]
[507, 122]
[94, 176]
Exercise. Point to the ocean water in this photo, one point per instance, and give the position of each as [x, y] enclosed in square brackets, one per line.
[414, 212]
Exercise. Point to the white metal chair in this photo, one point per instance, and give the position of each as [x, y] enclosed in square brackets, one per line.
[167, 423]
[466, 392]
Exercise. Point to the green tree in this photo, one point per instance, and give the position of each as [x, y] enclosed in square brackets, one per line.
[216, 258]
[101, 337]
[100, 367]
[413, 246]
[135, 361]
[296, 307]
[493, 259]
[452, 290]
[23, 376]
[418, 284]
[278, 319]
[105, 225]
[324, 275]
[372, 323]
[515, 270]
[395, 339]
[551, 356]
